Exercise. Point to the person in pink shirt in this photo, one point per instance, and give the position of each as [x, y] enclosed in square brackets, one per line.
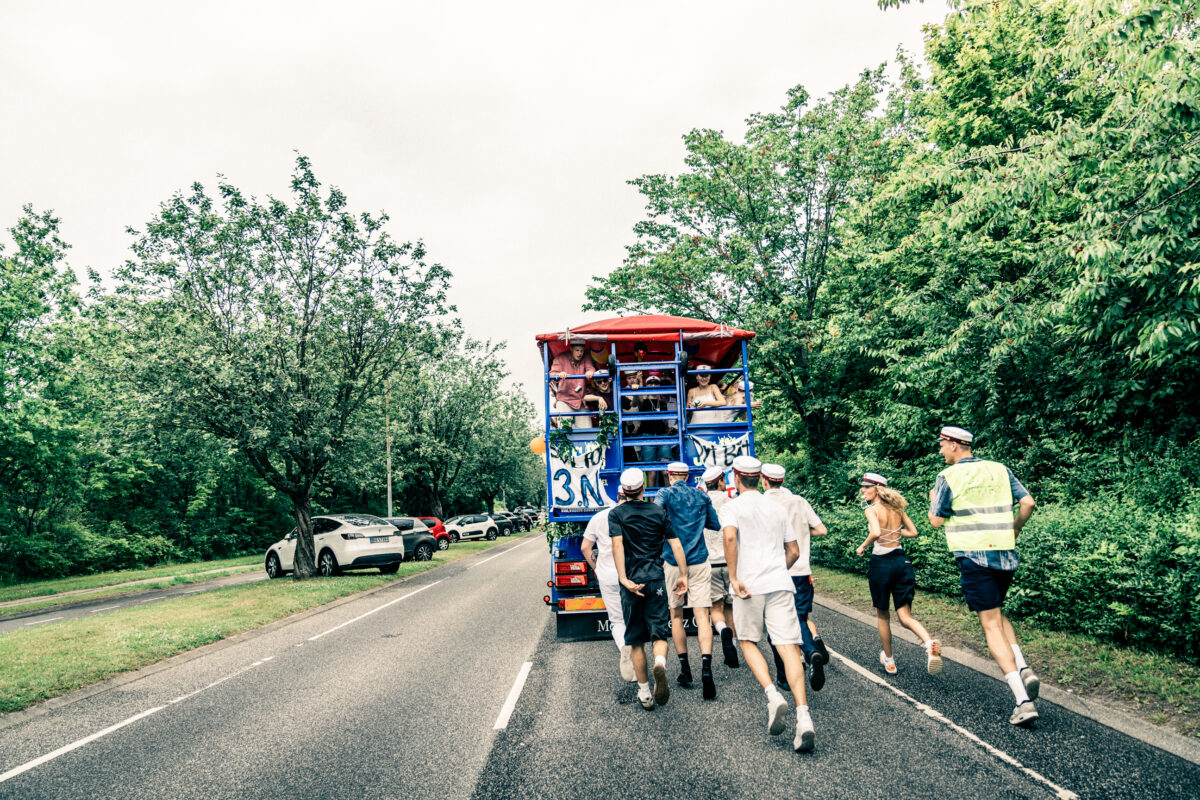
[568, 393]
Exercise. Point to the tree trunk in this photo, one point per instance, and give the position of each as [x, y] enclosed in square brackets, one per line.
[305, 564]
[491, 503]
[436, 502]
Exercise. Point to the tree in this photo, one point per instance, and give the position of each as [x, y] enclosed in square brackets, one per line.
[271, 324]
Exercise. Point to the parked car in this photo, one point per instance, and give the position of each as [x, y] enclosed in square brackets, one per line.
[438, 530]
[519, 521]
[419, 543]
[503, 524]
[472, 526]
[342, 542]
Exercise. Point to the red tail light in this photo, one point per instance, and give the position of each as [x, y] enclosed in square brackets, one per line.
[570, 568]
[348, 536]
[546, 599]
[564, 581]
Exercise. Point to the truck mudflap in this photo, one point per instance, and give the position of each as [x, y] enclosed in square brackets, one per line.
[586, 618]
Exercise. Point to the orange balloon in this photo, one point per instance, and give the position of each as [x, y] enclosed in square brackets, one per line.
[538, 445]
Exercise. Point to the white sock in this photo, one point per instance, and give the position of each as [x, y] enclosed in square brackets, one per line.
[720, 627]
[1018, 687]
[660, 661]
[644, 687]
[1016, 648]
[772, 691]
[801, 711]
[885, 657]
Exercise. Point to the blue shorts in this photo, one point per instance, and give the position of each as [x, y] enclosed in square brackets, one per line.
[983, 587]
[804, 594]
[891, 577]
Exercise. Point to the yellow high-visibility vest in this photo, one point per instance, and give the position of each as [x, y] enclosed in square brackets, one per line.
[981, 507]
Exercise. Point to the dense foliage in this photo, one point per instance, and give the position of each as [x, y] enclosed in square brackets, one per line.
[1005, 240]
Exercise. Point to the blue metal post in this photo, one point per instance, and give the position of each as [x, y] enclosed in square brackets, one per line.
[746, 378]
[546, 390]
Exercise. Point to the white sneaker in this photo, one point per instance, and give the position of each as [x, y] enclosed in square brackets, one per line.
[889, 665]
[646, 698]
[627, 664]
[933, 657]
[805, 735]
[1033, 684]
[776, 708]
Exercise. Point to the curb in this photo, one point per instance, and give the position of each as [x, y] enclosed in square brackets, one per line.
[1122, 721]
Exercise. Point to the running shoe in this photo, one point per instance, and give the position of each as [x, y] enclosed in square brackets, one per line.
[816, 671]
[1024, 715]
[819, 643]
[889, 666]
[685, 678]
[710, 686]
[662, 690]
[805, 735]
[646, 698]
[776, 709]
[627, 664]
[1033, 684]
[933, 657]
[731, 657]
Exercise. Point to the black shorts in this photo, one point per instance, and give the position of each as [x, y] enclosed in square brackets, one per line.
[804, 594]
[646, 617]
[891, 576]
[983, 587]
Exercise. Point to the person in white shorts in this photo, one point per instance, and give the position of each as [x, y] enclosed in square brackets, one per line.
[760, 546]
[597, 551]
[714, 487]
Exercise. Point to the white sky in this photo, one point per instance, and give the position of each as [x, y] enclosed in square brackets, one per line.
[502, 134]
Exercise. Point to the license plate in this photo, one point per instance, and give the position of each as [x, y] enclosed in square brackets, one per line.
[380, 539]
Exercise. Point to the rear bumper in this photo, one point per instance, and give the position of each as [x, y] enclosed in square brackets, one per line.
[375, 560]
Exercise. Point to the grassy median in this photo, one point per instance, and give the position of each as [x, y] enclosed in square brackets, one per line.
[1159, 687]
[41, 663]
[106, 579]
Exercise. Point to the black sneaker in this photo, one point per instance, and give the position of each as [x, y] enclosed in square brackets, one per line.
[816, 672]
[710, 687]
[731, 657]
[819, 643]
[685, 678]
[781, 681]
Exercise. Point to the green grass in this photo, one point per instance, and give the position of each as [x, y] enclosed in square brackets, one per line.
[1160, 688]
[41, 663]
[102, 579]
[121, 591]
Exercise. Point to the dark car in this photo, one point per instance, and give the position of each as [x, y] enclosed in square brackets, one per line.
[438, 530]
[504, 525]
[419, 544]
[519, 521]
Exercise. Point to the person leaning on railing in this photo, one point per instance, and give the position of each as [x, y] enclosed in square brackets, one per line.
[568, 393]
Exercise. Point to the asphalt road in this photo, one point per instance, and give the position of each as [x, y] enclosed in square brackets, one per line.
[398, 695]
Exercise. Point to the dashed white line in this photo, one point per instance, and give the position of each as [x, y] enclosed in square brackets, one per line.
[372, 611]
[106, 608]
[514, 693]
[509, 550]
[43, 621]
[1060, 792]
[15, 771]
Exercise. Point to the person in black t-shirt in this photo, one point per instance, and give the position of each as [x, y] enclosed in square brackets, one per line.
[639, 530]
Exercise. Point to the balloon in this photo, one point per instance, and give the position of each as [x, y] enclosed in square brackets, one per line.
[538, 445]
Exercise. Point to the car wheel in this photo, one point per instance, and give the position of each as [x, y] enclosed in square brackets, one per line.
[327, 565]
[491, 534]
[424, 552]
[273, 570]
[443, 543]
[453, 537]
[390, 569]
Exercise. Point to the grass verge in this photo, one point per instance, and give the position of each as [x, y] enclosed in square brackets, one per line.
[100, 580]
[1160, 688]
[41, 663]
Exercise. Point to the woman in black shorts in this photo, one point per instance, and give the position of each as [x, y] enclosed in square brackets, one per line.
[890, 574]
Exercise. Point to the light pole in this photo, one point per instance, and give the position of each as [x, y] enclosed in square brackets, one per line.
[387, 427]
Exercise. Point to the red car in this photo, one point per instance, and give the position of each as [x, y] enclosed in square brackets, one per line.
[438, 530]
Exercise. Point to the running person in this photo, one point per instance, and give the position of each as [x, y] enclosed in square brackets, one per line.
[759, 547]
[714, 483]
[597, 551]
[890, 574]
[638, 530]
[974, 499]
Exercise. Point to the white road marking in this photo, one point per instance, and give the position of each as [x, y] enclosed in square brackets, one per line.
[372, 611]
[15, 771]
[106, 608]
[43, 621]
[509, 550]
[1060, 792]
[511, 703]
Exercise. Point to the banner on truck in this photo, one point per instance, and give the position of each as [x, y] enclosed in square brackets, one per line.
[577, 485]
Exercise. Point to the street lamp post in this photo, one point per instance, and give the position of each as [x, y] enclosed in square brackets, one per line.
[387, 426]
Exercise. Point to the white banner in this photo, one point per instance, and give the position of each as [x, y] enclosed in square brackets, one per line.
[720, 452]
[577, 486]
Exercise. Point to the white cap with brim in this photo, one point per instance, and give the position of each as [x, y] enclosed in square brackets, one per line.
[960, 435]
[774, 472]
[632, 479]
[747, 465]
[711, 474]
[677, 468]
[873, 479]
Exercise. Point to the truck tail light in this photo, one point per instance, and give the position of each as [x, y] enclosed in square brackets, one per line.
[546, 599]
[570, 568]
[566, 581]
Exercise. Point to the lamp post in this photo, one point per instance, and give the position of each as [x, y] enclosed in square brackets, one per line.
[387, 427]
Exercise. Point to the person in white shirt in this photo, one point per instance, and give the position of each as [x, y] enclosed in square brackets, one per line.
[597, 551]
[760, 546]
[714, 487]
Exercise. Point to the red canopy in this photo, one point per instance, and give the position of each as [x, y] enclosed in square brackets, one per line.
[709, 342]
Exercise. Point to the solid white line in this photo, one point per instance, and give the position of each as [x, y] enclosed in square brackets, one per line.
[509, 550]
[98, 610]
[14, 772]
[1060, 792]
[372, 611]
[513, 694]
[43, 621]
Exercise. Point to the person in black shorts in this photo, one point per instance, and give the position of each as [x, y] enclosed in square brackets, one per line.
[639, 530]
[890, 574]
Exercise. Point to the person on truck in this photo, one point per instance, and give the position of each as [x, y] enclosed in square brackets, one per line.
[639, 529]
[597, 552]
[714, 487]
[568, 393]
[690, 513]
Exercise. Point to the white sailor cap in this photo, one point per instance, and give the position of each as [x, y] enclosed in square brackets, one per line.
[632, 479]
[958, 435]
[747, 465]
[873, 479]
[677, 468]
[773, 471]
[711, 474]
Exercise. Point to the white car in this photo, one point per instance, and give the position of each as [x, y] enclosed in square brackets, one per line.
[472, 526]
[342, 541]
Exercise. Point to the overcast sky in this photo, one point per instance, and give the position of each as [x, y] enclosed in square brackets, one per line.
[502, 134]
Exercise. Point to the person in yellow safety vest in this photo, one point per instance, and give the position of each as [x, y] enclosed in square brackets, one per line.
[974, 500]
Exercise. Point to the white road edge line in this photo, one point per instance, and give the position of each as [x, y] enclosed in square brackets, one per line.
[15, 771]
[43, 621]
[1060, 792]
[509, 550]
[511, 703]
[373, 610]
[98, 610]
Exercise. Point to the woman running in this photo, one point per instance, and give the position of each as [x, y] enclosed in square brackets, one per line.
[890, 574]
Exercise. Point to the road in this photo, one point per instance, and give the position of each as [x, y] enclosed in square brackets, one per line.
[398, 694]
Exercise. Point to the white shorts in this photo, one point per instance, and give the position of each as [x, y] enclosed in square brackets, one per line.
[778, 609]
[719, 585]
[699, 578]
